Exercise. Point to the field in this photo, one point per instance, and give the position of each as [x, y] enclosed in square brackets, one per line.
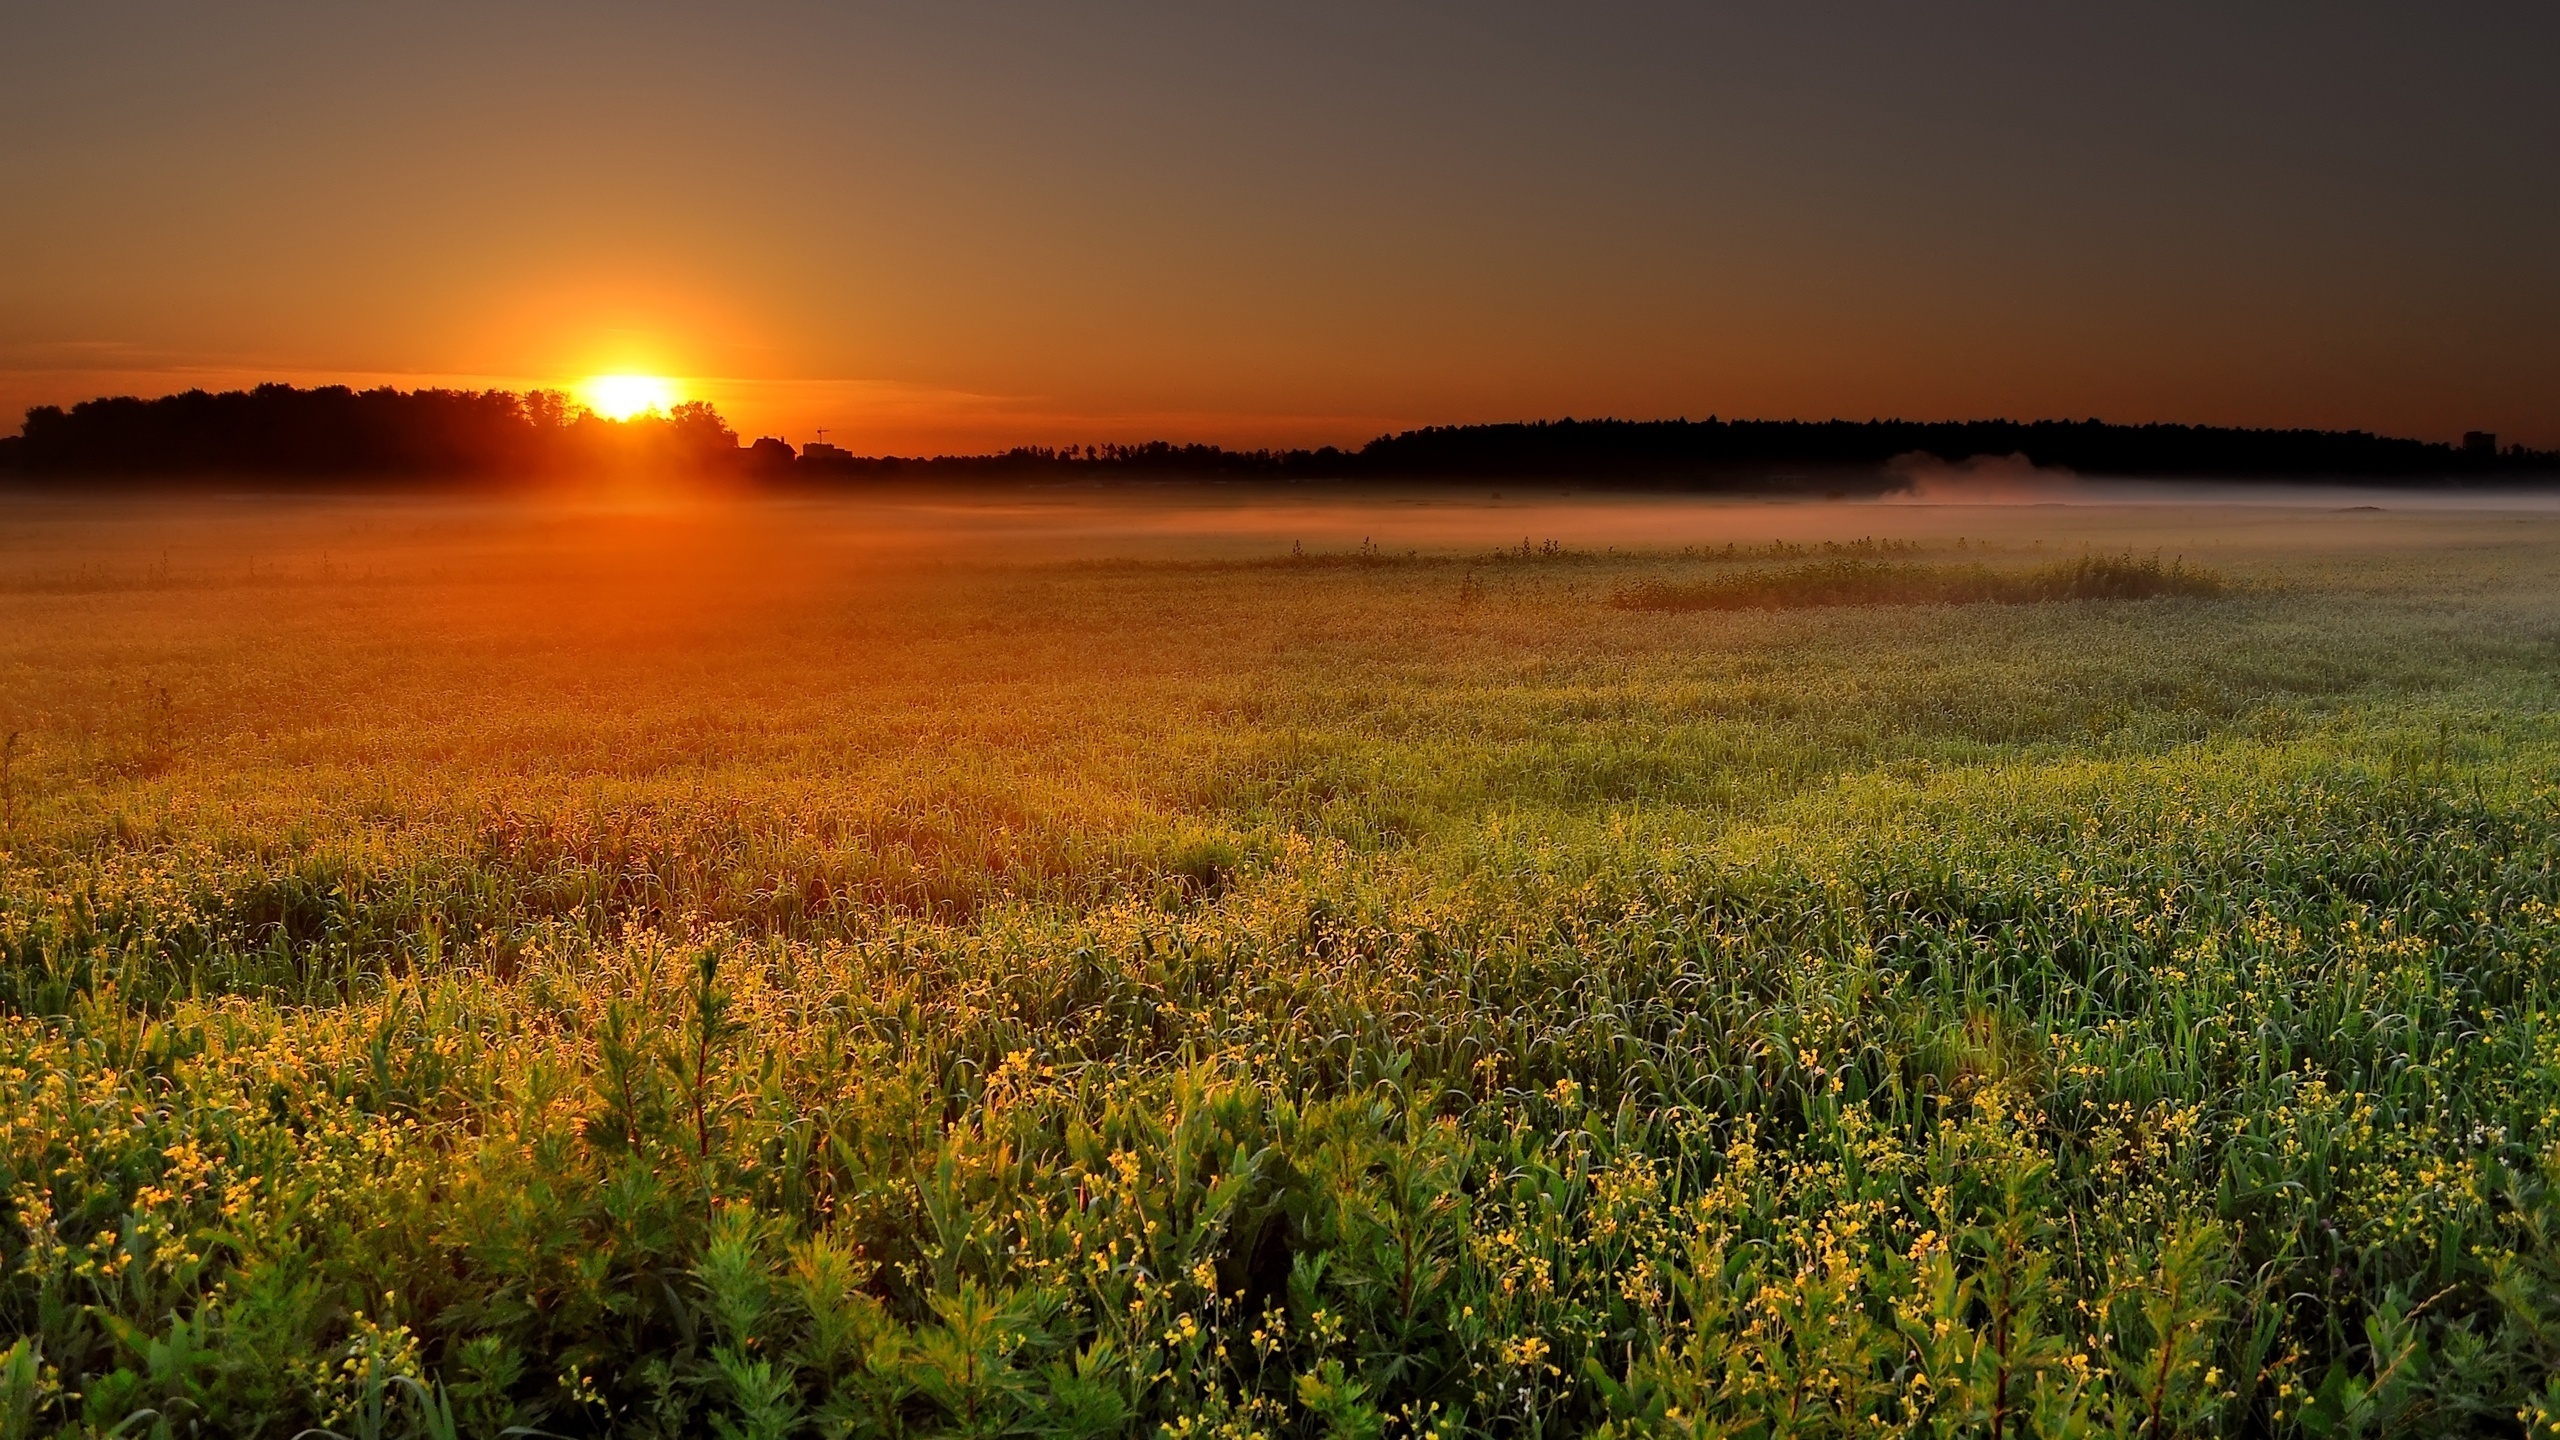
[1182, 964]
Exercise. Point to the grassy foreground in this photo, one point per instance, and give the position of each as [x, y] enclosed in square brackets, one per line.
[773, 975]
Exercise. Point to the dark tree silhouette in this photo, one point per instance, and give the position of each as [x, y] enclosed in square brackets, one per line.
[280, 432]
[284, 432]
[1758, 454]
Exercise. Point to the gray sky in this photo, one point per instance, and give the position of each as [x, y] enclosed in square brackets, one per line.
[943, 226]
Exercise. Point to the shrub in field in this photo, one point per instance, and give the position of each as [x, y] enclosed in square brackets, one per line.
[1873, 582]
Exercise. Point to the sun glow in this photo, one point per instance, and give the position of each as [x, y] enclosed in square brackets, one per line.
[619, 397]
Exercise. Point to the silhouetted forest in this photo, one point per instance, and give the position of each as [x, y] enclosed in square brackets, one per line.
[1670, 447]
[1763, 454]
[287, 433]
[333, 431]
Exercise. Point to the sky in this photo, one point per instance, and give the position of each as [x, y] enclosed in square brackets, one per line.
[950, 227]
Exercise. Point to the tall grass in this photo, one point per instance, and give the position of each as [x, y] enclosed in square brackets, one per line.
[1241, 1002]
[1873, 582]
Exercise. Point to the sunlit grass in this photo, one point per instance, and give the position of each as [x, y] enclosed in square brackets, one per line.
[685, 981]
[1852, 581]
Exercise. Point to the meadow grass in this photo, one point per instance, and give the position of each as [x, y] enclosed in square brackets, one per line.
[1857, 581]
[770, 974]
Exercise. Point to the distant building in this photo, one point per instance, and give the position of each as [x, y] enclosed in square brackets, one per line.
[2479, 442]
[821, 450]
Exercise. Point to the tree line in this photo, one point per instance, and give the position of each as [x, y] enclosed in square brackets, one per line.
[334, 431]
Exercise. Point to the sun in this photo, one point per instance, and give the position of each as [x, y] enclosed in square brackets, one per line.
[619, 397]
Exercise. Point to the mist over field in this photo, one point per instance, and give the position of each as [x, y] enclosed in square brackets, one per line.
[1194, 521]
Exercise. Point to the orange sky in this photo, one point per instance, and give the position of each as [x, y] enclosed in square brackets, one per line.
[957, 227]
